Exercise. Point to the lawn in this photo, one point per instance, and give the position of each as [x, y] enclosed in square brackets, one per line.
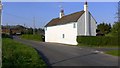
[35, 37]
[113, 52]
[17, 55]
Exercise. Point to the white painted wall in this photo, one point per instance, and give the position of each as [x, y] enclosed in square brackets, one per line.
[93, 26]
[81, 26]
[55, 34]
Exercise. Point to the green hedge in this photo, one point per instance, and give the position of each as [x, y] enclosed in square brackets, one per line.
[97, 40]
[6, 36]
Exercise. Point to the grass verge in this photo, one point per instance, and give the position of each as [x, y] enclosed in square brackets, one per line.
[32, 37]
[100, 46]
[17, 55]
[113, 52]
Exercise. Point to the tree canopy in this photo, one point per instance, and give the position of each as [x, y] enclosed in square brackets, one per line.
[116, 29]
[104, 28]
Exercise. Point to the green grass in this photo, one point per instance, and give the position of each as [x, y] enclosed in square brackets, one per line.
[32, 37]
[113, 52]
[100, 46]
[17, 55]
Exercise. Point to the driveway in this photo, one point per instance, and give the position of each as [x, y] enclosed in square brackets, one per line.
[55, 54]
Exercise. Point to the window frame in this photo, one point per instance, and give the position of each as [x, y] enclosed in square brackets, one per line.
[74, 25]
[63, 35]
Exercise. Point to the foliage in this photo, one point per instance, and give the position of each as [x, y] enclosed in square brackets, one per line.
[104, 28]
[6, 36]
[116, 29]
[36, 37]
[113, 52]
[97, 40]
[17, 55]
[24, 30]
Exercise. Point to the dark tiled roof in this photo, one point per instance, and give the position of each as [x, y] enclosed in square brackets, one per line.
[65, 19]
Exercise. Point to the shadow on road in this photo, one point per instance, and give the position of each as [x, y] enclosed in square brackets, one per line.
[73, 58]
[44, 58]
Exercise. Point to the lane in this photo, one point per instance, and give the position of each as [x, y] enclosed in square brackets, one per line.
[63, 55]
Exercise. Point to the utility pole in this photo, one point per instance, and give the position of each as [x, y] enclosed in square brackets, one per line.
[33, 25]
[0, 34]
[119, 11]
[0, 15]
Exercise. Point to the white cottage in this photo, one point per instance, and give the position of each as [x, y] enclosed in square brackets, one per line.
[66, 28]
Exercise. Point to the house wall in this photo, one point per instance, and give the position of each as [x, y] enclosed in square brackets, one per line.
[55, 33]
[91, 26]
[81, 25]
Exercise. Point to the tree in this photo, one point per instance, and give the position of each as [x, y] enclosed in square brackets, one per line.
[104, 28]
[116, 29]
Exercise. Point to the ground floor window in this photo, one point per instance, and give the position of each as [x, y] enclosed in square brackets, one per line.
[63, 35]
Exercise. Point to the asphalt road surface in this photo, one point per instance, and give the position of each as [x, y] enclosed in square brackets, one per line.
[55, 54]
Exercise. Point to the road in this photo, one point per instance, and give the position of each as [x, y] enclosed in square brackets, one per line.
[55, 54]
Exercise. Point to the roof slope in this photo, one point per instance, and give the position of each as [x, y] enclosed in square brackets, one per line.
[65, 19]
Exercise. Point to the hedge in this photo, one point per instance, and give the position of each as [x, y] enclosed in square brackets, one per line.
[6, 36]
[97, 40]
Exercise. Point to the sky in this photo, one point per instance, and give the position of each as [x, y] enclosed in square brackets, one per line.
[60, 0]
[24, 13]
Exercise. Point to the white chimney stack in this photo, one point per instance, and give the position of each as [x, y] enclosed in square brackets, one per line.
[61, 13]
[86, 19]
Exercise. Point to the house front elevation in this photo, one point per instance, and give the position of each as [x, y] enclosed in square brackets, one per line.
[66, 28]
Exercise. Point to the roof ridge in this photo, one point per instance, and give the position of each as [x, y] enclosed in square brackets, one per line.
[73, 17]
[73, 13]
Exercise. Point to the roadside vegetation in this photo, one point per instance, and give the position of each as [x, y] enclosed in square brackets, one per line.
[97, 41]
[110, 37]
[17, 55]
[113, 52]
[36, 37]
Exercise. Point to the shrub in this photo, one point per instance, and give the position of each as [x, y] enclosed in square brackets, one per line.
[6, 36]
[97, 40]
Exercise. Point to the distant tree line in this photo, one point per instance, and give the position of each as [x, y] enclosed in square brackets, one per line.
[22, 29]
[104, 28]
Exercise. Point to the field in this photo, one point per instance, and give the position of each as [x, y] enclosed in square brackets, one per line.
[32, 37]
[17, 55]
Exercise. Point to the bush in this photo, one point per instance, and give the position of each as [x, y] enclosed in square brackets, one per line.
[6, 36]
[97, 40]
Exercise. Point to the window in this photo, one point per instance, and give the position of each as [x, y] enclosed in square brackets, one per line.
[74, 25]
[63, 35]
[46, 28]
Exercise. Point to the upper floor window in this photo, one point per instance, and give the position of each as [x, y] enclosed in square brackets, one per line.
[74, 25]
[45, 28]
